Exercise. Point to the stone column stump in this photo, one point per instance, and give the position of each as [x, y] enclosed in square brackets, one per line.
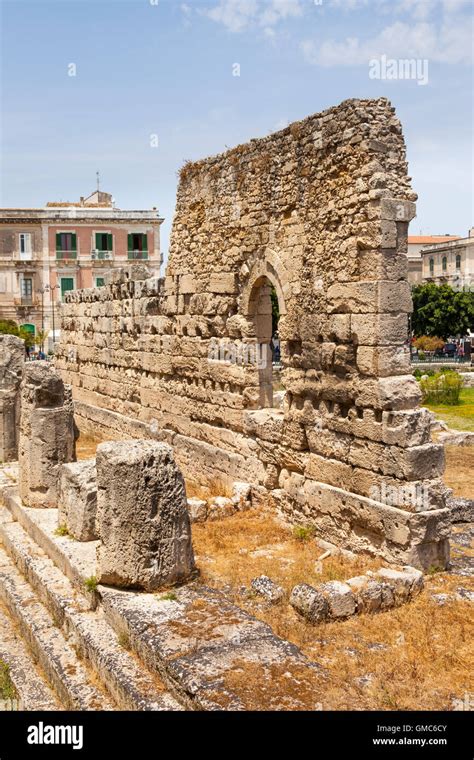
[142, 517]
[47, 434]
[12, 358]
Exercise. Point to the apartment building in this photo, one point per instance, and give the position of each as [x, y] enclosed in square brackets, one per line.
[44, 252]
[450, 262]
[416, 243]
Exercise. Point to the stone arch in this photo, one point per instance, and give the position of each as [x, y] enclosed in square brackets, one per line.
[256, 308]
[271, 267]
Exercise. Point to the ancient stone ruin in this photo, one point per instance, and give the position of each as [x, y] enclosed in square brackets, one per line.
[97, 569]
[142, 517]
[12, 355]
[47, 434]
[318, 213]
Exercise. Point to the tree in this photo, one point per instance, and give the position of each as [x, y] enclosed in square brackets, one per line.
[40, 338]
[9, 327]
[438, 310]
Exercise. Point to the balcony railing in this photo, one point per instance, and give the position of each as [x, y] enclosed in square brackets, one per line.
[65, 255]
[101, 255]
[138, 255]
[25, 301]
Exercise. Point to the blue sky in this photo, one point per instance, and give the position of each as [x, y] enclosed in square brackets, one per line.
[166, 68]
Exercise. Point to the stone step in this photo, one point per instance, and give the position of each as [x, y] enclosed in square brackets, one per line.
[71, 680]
[33, 691]
[76, 560]
[129, 683]
[209, 653]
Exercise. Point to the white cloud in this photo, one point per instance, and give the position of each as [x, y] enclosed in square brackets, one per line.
[237, 15]
[448, 42]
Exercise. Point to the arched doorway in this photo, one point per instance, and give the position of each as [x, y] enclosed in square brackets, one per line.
[264, 309]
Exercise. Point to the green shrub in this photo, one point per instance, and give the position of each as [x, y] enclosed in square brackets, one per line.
[303, 532]
[441, 388]
[91, 583]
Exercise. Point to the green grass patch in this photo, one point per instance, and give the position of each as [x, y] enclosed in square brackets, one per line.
[459, 416]
[303, 532]
[169, 596]
[7, 688]
[91, 583]
[61, 530]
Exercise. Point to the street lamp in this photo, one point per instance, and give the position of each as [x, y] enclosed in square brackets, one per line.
[42, 291]
[51, 289]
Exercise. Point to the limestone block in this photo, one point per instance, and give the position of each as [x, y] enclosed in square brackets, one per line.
[142, 517]
[271, 591]
[383, 361]
[340, 598]
[462, 510]
[241, 495]
[393, 393]
[222, 282]
[405, 583]
[379, 329]
[197, 510]
[77, 508]
[310, 603]
[370, 297]
[219, 507]
[368, 593]
[382, 264]
[397, 210]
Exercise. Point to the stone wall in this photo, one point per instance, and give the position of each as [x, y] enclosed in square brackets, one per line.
[319, 212]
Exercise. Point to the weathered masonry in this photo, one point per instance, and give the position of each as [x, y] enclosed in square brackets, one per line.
[319, 212]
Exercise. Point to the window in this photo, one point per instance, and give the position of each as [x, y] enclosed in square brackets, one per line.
[458, 261]
[66, 245]
[137, 245]
[103, 241]
[444, 264]
[67, 283]
[431, 266]
[99, 282]
[26, 287]
[25, 242]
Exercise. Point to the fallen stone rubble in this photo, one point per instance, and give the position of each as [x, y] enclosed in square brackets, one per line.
[373, 592]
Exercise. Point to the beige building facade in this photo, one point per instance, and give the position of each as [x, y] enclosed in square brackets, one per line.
[46, 252]
[450, 262]
[416, 243]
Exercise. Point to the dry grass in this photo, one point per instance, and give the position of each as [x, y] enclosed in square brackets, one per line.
[459, 470]
[86, 446]
[214, 487]
[418, 656]
[235, 550]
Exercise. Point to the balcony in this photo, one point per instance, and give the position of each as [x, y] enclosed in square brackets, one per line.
[98, 255]
[138, 255]
[66, 255]
[25, 301]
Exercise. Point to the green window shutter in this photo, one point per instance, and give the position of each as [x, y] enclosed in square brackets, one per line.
[74, 242]
[145, 242]
[109, 241]
[99, 282]
[67, 283]
[97, 241]
[130, 243]
[59, 246]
